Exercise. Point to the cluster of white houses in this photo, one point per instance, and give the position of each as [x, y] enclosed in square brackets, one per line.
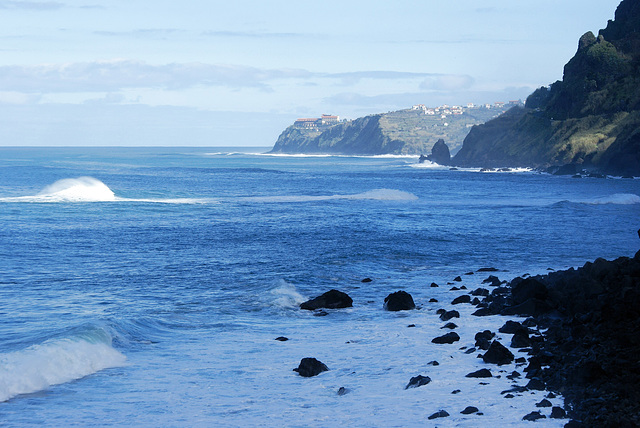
[315, 122]
[445, 110]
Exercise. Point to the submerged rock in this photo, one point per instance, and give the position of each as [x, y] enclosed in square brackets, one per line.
[399, 301]
[332, 299]
[310, 367]
[282, 339]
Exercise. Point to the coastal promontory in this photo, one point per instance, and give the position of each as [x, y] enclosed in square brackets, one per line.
[411, 131]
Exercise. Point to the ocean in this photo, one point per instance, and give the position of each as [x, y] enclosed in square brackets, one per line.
[147, 286]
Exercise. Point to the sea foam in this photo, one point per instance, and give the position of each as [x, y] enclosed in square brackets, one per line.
[54, 362]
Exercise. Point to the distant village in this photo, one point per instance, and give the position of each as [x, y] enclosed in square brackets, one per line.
[443, 111]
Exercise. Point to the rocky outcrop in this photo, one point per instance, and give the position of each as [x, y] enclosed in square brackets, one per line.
[399, 301]
[310, 367]
[440, 153]
[332, 299]
[590, 119]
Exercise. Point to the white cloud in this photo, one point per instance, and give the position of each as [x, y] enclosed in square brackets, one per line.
[448, 82]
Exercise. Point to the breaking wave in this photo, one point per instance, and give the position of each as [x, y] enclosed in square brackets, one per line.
[55, 362]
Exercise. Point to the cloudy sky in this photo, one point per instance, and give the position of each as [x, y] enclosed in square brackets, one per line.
[213, 73]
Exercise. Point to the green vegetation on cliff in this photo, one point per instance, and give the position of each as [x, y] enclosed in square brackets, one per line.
[403, 132]
[591, 118]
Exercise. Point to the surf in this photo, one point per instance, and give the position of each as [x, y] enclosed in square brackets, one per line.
[56, 361]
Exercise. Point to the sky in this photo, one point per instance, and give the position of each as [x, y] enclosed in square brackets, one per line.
[213, 73]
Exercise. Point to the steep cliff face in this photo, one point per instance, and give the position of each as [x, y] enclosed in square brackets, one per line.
[402, 132]
[591, 118]
[362, 136]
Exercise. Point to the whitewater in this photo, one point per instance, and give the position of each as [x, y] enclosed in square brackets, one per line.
[147, 286]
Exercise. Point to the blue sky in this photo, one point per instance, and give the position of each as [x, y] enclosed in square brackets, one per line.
[213, 73]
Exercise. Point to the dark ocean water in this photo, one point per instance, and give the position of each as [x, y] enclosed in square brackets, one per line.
[146, 287]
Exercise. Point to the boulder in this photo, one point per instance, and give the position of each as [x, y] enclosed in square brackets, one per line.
[544, 403]
[497, 354]
[310, 367]
[447, 338]
[534, 416]
[332, 299]
[493, 281]
[439, 414]
[447, 315]
[520, 340]
[483, 339]
[488, 269]
[457, 279]
[483, 292]
[482, 373]
[465, 298]
[512, 327]
[366, 280]
[558, 413]
[450, 326]
[469, 410]
[417, 381]
[399, 301]
[282, 339]
[342, 390]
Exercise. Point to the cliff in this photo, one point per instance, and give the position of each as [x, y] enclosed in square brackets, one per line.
[403, 132]
[591, 118]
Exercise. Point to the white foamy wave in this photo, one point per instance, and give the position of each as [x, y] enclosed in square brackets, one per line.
[376, 194]
[428, 165]
[78, 189]
[81, 189]
[52, 363]
[285, 295]
[615, 199]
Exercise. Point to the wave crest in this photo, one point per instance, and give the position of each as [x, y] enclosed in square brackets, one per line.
[55, 362]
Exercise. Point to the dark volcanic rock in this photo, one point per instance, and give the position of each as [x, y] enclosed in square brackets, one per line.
[367, 280]
[417, 381]
[480, 292]
[440, 153]
[447, 315]
[534, 416]
[497, 354]
[447, 338]
[483, 339]
[457, 279]
[469, 410]
[512, 327]
[534, 307]
[493, 281]
[310, 367]
[465, 298]
[520, 340]
[488, 269]
[342, 390]
[399, 301]
[282, 339]
[558, 413]
[480, 373]
[528, 288]
[439, 414]
[450, 326]
[332, 299]
[434, 285]
[544, 403]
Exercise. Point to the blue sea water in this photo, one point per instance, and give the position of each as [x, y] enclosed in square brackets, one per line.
[146, 286]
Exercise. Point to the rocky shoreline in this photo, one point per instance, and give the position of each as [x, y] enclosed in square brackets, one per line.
[578, 331]
[590, 348]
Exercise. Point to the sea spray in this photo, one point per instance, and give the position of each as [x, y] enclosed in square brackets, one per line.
[54, 362]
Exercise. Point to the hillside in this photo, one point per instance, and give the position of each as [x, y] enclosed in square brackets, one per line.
[591, 118]
[403, 132]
